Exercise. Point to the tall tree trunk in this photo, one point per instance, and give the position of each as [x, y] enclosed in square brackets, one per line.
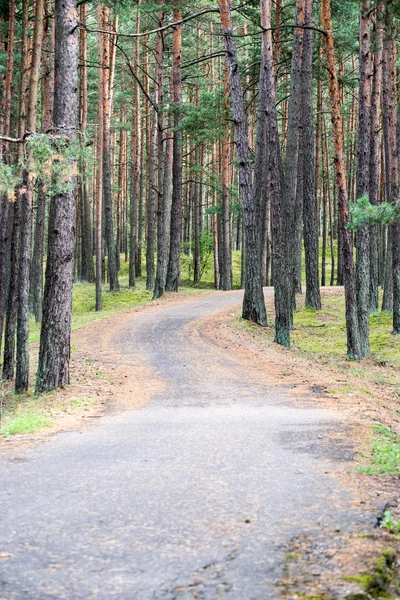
[87, 242]
[281, 281]
[353, 336]
[151, 206]
[173, 273]
[292, 148]
[12, 298]
[99, 171]
[253, 302]
[107, 183]
[163, 220]
[4, 200]
[12, 303]
[362, 176]
[376, 98]
[54, 353]
[120, 193]
[36, 274]
[310, 175]
[389, 107]
[136, 140]
[226, 255]
[26, 197]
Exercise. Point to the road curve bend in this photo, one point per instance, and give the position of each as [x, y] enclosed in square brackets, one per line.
[194, 495]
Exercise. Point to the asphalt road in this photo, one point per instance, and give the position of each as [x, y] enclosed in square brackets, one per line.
[193, 496]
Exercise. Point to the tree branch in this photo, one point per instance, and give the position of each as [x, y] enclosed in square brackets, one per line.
[149, 32]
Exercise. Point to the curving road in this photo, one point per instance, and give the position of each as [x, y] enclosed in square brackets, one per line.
[192, 496]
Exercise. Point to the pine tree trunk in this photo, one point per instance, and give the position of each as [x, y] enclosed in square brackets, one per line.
[36, 274]
[292, 149]
[136, 139]
[26, 198]
[107, 183]
[253, 302]
[353, 337]
[99, 170]
[390, 118]
[86, 222]
[163, 221]
[12, 301]
[121, 167]
[173, 273]
[54, 353]
[362, 176]
[151, 207]
[4, 201]
[226, 258]
[310, 175]
[376, 97]
[280, 279]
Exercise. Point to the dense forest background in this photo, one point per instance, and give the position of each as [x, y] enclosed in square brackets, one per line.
[156, 135]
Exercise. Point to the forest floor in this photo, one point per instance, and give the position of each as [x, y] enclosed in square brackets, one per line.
[269, 463]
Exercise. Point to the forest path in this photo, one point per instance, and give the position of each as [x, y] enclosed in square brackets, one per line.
[193, 495]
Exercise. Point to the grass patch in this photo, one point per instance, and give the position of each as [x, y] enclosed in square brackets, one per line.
[324, 332]
[24, 423]
[385, 457]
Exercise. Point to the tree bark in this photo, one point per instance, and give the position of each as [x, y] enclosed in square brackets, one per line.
[163, 220]
[390, 117]
[226, 256]
[313, 296]
[26, 198]
[173, 273]
[362, 175]
[99, 170]
[292, 149]
[107, 65]
[353, 336]
[376, 99]
[136, 139]
[151, 207]
[4, 200]
[253, 302]
[54, 353]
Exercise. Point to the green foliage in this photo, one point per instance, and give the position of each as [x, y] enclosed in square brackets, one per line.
[53, 162]
[363, 212]
[389, 523]
[8, 180]
[205, 122]
[206, 249]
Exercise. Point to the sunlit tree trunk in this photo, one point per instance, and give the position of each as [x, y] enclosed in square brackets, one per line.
[108, 65]
[353, 336]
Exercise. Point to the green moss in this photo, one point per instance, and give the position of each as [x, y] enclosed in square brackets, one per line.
[383, 579]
